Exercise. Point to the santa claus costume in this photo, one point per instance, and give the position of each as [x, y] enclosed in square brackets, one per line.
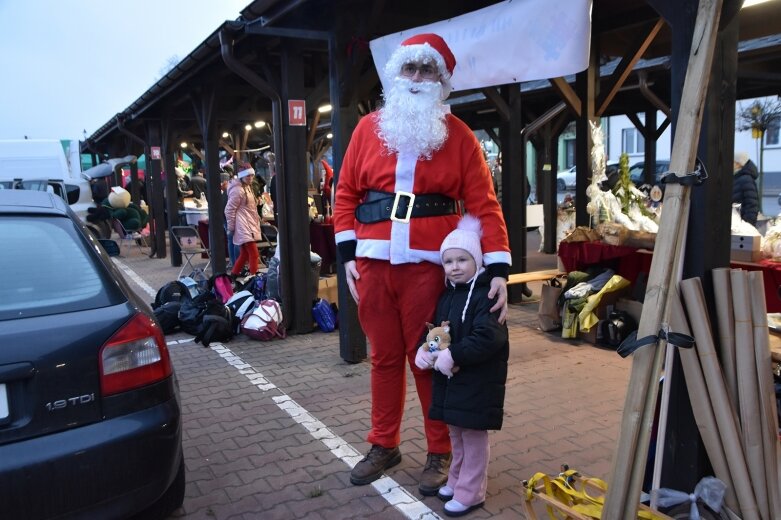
[407, 172]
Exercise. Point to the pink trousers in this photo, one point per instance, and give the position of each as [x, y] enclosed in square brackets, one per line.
[468, 475]
[396, 303]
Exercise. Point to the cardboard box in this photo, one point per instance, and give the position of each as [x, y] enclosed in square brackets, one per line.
[603, 310]
[745, 248]
[327, 289]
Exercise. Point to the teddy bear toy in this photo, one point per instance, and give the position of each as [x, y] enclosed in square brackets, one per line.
[437, 340]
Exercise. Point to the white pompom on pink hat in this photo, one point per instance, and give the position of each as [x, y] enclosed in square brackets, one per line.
[466, 236]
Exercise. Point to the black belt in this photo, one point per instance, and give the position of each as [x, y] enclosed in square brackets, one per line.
[379, 206]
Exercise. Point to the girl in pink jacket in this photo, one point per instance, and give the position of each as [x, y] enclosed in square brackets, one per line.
[241, 215]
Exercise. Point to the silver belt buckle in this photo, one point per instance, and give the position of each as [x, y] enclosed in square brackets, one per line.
[411, 197]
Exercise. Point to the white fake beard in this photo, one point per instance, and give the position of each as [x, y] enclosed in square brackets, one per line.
[413, 122]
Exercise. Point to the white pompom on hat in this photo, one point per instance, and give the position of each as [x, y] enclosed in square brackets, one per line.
[466, 236]
[423, 47]
[741, 158]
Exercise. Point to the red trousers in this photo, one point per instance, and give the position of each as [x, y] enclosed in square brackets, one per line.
[248, 252]
[396, 303]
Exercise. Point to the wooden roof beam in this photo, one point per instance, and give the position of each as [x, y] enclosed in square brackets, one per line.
[567, 93]
[624, 68]
[492, 95]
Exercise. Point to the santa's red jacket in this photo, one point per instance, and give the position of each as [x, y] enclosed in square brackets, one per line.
[457, 170]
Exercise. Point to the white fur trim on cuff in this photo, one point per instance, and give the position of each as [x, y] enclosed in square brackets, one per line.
[497, 257]
[344, 236]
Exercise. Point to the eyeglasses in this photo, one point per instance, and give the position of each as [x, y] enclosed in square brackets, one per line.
[427, 71]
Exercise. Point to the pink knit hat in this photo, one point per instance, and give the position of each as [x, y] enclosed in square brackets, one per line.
[466, 236]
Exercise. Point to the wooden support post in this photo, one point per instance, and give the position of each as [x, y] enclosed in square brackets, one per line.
[344, 118]
[586, 85]
[153, 138]
[172, 199]
[631, 452]
[514, 184]
[296, 232]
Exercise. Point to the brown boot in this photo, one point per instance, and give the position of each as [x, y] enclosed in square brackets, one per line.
[371, 467]
[434, 473]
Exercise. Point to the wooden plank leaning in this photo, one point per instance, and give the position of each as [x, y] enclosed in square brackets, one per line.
[629, 458]
[725, 417]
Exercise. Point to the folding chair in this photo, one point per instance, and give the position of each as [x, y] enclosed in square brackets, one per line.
[190, 245]
[132, 235]
[267, 243]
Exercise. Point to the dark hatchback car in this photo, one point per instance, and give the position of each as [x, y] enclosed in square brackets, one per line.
[90, 421]
[637, 172]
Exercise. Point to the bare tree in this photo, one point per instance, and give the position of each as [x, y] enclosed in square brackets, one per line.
[170, 63]
[758, 117]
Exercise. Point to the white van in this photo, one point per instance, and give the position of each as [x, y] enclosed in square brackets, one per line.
[33, 164]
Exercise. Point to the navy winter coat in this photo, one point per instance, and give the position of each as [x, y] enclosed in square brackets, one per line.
[474, 397]
[744, 192]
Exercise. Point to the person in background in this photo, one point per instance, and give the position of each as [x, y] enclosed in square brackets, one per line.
[198, 185]
[744, 187]
[243, 221]
[411, 147]
[327, 186]
[182, 187]
[471, 374]
[225, 179]
[272, 183]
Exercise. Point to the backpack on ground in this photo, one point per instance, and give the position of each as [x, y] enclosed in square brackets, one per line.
[200, 278]
[222, 286]
[264, 322]
[215, 324]
[324, 315]
[240, 304]
[167, 316]
[272, 280]
[174, 291]
[192, 311]
[257, 286]
[193, 289]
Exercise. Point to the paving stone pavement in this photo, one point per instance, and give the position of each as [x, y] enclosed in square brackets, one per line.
[268, 426]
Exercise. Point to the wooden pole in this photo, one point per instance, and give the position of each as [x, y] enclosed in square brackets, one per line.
[767, 409]
[623, 493]
[701, 407]
[722, 290]
[748, 391]
[725, 418]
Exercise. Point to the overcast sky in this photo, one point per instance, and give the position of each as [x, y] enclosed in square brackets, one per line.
[71, 65]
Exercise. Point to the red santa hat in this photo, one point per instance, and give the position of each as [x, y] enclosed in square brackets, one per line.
[423, 47]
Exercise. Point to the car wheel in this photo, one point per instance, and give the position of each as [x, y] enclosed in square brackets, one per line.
[172, 499]
[560, 185]
[100, 229]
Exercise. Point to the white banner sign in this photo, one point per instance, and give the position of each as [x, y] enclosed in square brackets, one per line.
[509, 42]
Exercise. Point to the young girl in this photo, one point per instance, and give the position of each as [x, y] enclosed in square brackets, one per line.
[243, 221]
[470, 384]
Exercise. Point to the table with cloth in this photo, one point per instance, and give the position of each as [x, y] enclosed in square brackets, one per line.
[321, 237]
[633, 263]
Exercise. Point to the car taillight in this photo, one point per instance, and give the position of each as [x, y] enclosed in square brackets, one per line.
[135, 356]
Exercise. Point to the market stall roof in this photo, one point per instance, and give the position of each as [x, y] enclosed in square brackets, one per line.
[616, 25]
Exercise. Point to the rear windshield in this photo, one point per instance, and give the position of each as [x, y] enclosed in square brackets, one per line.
[46, 268]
